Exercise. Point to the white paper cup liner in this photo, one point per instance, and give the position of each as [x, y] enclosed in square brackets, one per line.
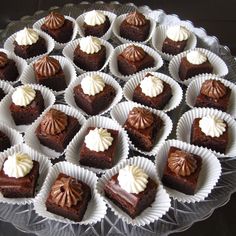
[37, 25]
[208, 176]
[120, 114]
[5, 112]
[219, 66]
[44, 166]
[68, 52]
[194, 88]
[158, 62]
[9, 45]
[122, 147]
[28, 76]
[69, 92]
[107, 35]
[184, 127]
[177, 93]
[6, 87]
[121, 18]
[20, 64]
[32, 140]
[96, 209]
[160, 35]
[158, 208]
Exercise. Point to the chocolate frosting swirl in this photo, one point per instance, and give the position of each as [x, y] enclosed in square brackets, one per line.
[213, 89]
[133, 53]
[3, 59]
[182, 163]
[54, 20]
[140, 118]
[136, 18]
[66, 192]
[54, 122]
[47, 66]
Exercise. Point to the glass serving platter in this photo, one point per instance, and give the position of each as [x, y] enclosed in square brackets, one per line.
[181, 215]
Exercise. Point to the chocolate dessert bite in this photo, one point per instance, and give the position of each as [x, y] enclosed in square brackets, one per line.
[68, 197]
[57, 129]
[29, 44]
[152, 92]
[99, 148]
[143, 127]
[135, 27]
[134, 59]
[18, 176]
[134, 194]
[182, 171]
[8, 69]
[210, 132]
[96, 23]
[58, 27]
[2, 94]
[194, 63]
[93, 95]
[213, 94]
[5, 142]
[90, 54]
[48, 72]
[27, 105]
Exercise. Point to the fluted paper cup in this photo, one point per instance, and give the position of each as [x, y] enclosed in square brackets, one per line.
[68, 52]
[158, 62]
[9, 45]
[107, 35]
[121, 18]
[208, 176]
[184, 128]
[6, 87]
[122, 148]
[69, 92]
[44, 165]
[96, 209]
[177, 93]
[157, 209]
[219, 66]
[6, 117]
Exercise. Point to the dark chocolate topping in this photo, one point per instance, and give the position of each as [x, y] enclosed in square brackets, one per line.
[3, 59]
[133, 53]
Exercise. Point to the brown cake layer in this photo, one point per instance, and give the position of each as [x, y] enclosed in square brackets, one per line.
[172, 47]
[5, 142]
[9, 72]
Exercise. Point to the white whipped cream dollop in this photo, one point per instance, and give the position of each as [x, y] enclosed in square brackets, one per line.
[196, 57]
[94, 18]
[132, 179]
[27, 36]
[98, 140]
[212, 126]
[18, 165]
[151, 86]
[92, 85]
[177, 33]
[90, 44]
[23, 95]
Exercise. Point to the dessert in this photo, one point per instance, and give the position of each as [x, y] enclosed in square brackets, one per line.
[93, 95]
[194, 63]
[58, 27]
[99, 148]
[134, 59]
[143, 127]
[27, 104]
[28, 43]
[2, 94]
[135, 27]
[18, 176]
[57, 129]
[213, 94]
[132, 190]
[176, 40]
[8, 69]
[49, 73]
[96, 23]
[68, 197]
[210, 132]
[182, 171]
[152, 92]
[5, 142]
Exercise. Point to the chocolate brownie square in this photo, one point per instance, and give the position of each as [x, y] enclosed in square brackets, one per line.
[9, 72]
[172, 47]
[5, 142]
